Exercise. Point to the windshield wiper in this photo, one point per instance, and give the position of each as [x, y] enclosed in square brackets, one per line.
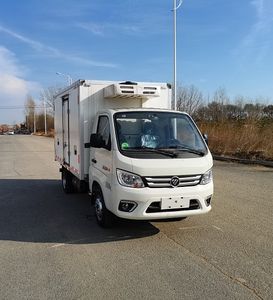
[186, 149]
[152, 150]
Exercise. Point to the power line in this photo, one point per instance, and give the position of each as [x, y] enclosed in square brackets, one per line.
[23, 107]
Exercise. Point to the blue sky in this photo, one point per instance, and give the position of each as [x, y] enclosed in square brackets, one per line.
[219, 44]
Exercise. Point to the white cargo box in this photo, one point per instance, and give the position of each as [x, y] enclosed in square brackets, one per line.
[77, 106]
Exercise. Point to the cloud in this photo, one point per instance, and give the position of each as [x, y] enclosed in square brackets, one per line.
[54, 52]
[92, 27]
[12, 83]
[263, 23]
[259, 5]
[258, 40]
[108, 28]
[13, 88]
[7, 62]
[34, 44]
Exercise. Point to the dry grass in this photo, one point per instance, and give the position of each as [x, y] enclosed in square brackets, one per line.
[253, 140]
[50, 133]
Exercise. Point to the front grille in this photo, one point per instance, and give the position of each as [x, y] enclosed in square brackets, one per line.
[165, 181]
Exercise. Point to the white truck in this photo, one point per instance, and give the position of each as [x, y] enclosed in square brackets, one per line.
[137, 158]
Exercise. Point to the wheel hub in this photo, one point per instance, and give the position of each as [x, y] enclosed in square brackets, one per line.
[98, 208]
[64, 182]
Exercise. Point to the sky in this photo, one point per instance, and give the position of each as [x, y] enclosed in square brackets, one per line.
[220, 43]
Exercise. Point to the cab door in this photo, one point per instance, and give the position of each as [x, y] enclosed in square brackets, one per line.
[101, 158]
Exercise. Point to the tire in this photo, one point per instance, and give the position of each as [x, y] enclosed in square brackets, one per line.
[67, 183]
[79, 186]
[103, 216]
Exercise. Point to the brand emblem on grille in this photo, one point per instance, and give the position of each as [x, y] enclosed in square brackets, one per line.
[174, 181]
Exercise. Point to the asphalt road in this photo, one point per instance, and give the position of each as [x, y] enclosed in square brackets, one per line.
[52, 248]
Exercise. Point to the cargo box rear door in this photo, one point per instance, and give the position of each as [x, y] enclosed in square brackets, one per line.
[66, 133]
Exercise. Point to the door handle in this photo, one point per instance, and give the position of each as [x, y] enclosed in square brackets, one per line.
[94, 161]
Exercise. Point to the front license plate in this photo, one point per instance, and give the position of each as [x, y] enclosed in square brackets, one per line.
[174, 203]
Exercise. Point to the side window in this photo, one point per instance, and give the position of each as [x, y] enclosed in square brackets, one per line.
[103, 130]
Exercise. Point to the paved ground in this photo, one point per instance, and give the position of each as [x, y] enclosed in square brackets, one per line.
[52, 248]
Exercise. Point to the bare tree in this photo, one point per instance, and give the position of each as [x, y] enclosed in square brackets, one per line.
[189, 99]
[29, 112]
[220, 96]
[219, 104]
[47, 97]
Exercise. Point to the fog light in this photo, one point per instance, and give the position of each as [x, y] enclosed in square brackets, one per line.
[127, 206]
[208, 200]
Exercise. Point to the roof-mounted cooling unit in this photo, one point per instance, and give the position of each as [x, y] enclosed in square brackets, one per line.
[131, 91]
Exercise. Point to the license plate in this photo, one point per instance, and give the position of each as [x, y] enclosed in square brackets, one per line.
[174, 202]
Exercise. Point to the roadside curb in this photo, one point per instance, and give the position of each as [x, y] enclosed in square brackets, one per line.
[244, 161]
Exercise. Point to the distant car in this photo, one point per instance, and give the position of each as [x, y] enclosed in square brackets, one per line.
[25, 131]
[22, 131]
[11, 133]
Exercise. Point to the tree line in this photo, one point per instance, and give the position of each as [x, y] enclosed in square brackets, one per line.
[240, 127]
[220, 107]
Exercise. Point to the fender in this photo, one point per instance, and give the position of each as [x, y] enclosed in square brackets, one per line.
[97, 176]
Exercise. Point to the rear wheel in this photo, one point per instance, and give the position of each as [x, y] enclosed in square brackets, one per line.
[103, 216]
[67, 181]
[79, 186]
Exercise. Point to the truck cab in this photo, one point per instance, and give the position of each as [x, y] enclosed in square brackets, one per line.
[149, 164]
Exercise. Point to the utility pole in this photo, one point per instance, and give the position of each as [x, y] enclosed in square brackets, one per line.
[175, 8]
[45, 118]
[34, 121]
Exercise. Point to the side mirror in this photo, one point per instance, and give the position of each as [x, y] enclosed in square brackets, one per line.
[96, 141]
[205, 136]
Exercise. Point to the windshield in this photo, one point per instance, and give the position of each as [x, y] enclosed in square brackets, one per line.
[158, 133]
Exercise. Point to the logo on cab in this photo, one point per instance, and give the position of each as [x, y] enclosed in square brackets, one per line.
[174, 181]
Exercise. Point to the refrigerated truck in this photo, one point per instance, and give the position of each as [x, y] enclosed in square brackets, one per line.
[137, 158]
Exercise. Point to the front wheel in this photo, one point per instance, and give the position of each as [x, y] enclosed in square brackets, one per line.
[103, 216]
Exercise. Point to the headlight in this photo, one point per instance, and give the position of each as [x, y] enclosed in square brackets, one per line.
[207, 177]
[129, 179]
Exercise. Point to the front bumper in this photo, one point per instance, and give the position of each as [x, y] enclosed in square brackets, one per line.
[144, 197]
